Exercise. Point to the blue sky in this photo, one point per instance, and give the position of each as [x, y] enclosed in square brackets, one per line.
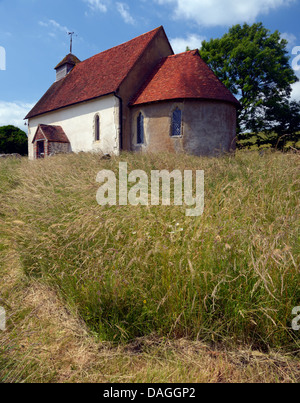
[33, 35]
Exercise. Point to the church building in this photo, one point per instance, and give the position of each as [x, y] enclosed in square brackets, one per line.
[137, 96]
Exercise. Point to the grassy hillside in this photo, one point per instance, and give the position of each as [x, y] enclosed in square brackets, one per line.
[230, 276]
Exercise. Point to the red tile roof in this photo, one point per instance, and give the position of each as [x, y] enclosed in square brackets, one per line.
[54, 134]
[97, 76]
[180, 76]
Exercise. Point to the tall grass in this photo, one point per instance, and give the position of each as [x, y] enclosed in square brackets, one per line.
[230, 275]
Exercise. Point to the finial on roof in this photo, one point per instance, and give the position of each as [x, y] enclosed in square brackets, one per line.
[71, 40]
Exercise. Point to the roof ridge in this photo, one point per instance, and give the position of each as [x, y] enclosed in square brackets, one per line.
[121, 44]
[185, 52]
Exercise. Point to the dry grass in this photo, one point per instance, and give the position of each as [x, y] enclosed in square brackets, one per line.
[49, 343]
[215, 292]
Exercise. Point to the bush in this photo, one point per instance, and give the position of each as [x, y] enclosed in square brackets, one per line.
[13, 141]
[271, 140]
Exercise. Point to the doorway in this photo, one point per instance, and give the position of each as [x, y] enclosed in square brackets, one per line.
[40, 150]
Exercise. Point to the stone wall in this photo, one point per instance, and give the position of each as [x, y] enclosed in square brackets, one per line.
[208, 127]
[59, 148]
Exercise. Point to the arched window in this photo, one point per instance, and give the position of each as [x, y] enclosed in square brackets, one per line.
[140, 129]
[176, 122]
[97, 128]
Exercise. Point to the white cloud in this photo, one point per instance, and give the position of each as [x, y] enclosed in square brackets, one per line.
[97, 5]
[290, 38]
[123, 9]
[296, 88]
[296, 92]
[296, 66]
[6, 33]
[13, 113]
[53, 27]
[193, 41]
[104, 5]
[57, 26]
[53, 24]
[222, 12]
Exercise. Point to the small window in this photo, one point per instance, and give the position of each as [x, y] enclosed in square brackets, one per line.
[140, 129]
[176, 122]
[97, 128]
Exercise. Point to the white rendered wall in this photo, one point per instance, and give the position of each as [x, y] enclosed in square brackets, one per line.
[78, 123]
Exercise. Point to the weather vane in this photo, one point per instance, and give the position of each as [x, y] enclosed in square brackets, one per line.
[71, 40]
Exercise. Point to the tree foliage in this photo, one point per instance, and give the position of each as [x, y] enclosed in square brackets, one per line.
[254, 65]
[13, 140]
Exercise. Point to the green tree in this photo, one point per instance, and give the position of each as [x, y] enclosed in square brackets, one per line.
[285, 118]
[13, 140]
[254, 65]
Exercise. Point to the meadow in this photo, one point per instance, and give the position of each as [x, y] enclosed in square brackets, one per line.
[148, 284]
